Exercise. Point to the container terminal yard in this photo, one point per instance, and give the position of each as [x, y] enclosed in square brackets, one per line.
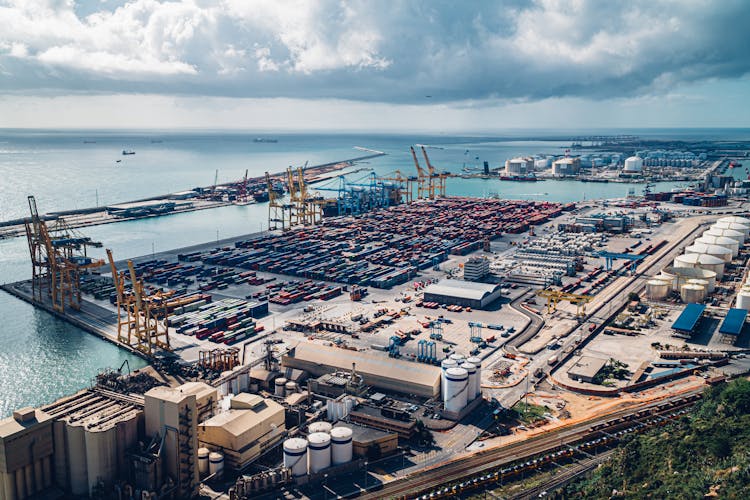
[391, 342]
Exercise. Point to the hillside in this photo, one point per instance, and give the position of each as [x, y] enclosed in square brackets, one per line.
[707, 452]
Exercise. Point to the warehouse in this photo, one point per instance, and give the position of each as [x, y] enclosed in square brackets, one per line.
[687, 322]
[376, 369]
[732, 325]
[586, 368]
[462, 293]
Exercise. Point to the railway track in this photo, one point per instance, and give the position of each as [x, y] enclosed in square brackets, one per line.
[488, 467]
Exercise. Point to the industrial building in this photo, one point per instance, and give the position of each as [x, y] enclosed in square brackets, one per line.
[688, 320]
[365, 438]
[26, 454]
[462, 293]
[251, 426]
[376, 370]
[585, 368]
[733, 324]
[476, 268]
[566, 166]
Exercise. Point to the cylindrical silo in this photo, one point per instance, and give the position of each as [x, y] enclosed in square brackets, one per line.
[729, 233]
[319, 448]
[203, 461]
[456, 389]
[698, 281]
[736, 219]
[743, 300]
[215, 463]
[341, 445]
[320, 427]
[445, 365]
[458, 358]
[744, 229]
[290, 387]
[295, 456]
[692, 293]
[678, 276]
[472, 371]
[718, 251]
[723, 241]
[657, 289]
[279, 386]
[478, 384]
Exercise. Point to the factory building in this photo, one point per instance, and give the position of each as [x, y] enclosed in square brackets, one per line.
[251, 426]
[476, 268]
[566, 166]
[475, 295]
[172, 414]
[519, 166]
[26, 454]
[376, 369]
[366, 438]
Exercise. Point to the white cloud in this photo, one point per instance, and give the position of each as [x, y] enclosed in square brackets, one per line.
[389, 51]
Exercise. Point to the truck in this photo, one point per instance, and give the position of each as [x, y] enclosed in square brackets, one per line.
[551, 361]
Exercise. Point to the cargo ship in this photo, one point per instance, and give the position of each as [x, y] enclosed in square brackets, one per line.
[128, 152]
[519, 178]
[262, 140]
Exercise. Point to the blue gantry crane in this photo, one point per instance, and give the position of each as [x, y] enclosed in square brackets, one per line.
[609, 257]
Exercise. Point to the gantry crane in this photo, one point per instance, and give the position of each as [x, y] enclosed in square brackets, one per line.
[58, 257]
[425, 188]
[555, 296]
[435, 177]
[404, 186]
[142, 326]
[279, 214]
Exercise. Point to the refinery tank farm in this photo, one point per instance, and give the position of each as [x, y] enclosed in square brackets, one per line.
[383, 338]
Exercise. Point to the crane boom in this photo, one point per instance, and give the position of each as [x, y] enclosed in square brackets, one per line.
[422, 190]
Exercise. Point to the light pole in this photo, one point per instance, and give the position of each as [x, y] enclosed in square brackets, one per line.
[365, 475]
[325, 485]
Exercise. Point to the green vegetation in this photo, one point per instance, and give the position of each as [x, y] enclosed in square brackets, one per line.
[528, 414]
[612, 370]
[706, 452]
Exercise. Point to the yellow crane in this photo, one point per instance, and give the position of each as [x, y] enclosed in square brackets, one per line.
[439, 189]
[555, 296]
[278, 212]
[405, 186]
[425, 188]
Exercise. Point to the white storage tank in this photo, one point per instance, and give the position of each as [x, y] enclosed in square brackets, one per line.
[736, 219]
[722, 253]
[701, 261]
[215, 463]
[729, 233]
[456, 389]
[678, 276]
[657, 289]
[692, 293]
[743, 300]
[341, 445]
[698, 281]
[279, 386]
[445, 365]
[319, 448]
[320, 427]
[472, 371]
[723, 241]
[478, 384]
[458, 358]
[203, 461]
[290, 388]
[742, 228]
[295, 456]
[633, 165]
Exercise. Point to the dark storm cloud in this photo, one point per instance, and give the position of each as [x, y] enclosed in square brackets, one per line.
[385, 51]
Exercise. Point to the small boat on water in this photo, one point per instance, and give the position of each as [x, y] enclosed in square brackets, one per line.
[126, 152]
[263, 139]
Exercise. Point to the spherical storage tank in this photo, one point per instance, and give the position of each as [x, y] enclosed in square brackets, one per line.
[692, 293]
[319, 446]
[657, 289]
[678, 276]
[729, 233]
[456, 389]
[472, 371]
[320, 427]
[341, 445]
[724, 241]
[633, 164]
[723, 253]
[478, 384]
[295, 456]
[701, 261]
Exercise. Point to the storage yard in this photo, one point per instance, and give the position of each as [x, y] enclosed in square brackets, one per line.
[339, 355]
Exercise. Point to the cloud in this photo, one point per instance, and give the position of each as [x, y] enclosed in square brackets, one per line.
[387, 51]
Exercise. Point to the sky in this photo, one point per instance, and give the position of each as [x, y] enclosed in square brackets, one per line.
[384, 65]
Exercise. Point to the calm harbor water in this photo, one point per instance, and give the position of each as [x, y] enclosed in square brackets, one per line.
[43, 358]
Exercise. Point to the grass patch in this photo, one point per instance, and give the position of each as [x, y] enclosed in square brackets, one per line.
[528, 413]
